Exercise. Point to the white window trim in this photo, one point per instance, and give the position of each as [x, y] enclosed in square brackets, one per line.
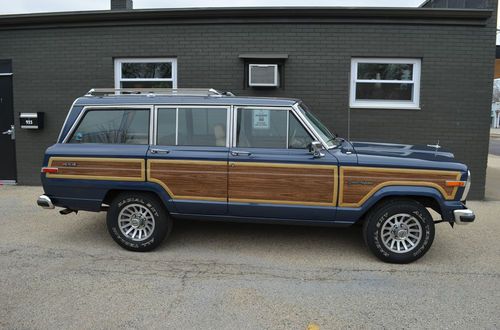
[274, 84]
[118, 70]
[386, 104]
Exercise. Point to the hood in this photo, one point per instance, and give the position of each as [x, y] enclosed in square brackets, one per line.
[402, 150]
[405, 155]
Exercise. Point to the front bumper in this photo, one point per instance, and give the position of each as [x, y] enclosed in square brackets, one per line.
[45, 202]
[464, 216]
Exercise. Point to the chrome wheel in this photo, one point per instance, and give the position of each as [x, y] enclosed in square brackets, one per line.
[136, 222]
[401, 233]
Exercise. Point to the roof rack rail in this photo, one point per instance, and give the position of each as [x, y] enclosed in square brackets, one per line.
[157, 91]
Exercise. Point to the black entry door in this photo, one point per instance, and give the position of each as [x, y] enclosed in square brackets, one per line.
[7, 135]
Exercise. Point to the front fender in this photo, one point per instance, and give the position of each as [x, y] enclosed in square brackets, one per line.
[352, 214]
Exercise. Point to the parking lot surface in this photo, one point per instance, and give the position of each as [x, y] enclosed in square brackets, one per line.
[494, 147]
[66, 272]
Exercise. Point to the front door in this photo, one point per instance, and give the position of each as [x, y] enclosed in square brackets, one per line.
[7, 136]
[273, 175]
[189, 157]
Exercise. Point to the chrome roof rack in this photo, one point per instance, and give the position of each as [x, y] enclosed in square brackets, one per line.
[156, 91]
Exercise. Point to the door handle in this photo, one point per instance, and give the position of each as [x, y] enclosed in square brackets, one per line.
[159, 151]
[240, 153]
[11, 132]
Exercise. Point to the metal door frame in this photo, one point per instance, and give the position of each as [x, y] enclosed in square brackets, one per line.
[10, 74]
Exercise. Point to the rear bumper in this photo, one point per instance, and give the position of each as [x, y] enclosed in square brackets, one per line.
[45, 202]
[464, 216]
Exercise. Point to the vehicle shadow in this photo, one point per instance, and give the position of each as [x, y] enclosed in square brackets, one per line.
[225, 238]
[265, 237]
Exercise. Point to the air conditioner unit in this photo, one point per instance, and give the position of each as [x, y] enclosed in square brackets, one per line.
[263, 75]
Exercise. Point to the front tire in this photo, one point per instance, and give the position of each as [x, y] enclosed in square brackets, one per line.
[399, 231]
[138, 221]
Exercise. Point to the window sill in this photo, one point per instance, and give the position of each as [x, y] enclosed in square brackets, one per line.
[385, 107]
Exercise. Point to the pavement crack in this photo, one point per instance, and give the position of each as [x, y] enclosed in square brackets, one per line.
[187, 269]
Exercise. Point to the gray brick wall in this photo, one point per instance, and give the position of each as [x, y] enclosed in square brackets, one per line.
[475, 4]
[54, 66]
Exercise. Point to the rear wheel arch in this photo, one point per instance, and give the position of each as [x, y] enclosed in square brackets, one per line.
[112, 194]
[138, 220]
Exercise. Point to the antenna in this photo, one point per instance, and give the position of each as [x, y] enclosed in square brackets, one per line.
[349, 124]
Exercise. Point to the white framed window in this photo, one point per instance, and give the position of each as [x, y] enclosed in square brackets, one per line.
[385, 83]
[263, 75]
[145, 73]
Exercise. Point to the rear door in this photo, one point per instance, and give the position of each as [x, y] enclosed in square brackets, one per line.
[7, 143]
[272, 174]
[189, 157]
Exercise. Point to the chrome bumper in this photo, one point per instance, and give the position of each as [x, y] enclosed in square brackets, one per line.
[464, 217]
[45, 202]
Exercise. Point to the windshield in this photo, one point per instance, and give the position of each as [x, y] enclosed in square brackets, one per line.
[323, 132]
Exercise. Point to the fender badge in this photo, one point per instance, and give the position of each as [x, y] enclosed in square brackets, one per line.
[359, 183]
[69, 164]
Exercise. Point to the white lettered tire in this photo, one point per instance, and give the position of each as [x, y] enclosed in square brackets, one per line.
[399, 231]
[138, 221]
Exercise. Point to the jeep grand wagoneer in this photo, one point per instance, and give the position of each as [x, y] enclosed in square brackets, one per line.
[148, 157]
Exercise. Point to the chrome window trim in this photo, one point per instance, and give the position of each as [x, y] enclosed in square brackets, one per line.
[232, 125]
[308, 125]
[287, 129]
[109, 107]
[66, 121]
[176, 127]
[177, 107]
[151, 126]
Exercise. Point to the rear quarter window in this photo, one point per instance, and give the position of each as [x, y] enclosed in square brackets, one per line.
[113, 126]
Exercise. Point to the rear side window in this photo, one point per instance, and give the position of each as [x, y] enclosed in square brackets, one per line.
[192, 126]
[130, 126]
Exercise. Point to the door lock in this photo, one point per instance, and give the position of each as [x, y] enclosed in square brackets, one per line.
[240, 153]
[11, 132]
[159, 151]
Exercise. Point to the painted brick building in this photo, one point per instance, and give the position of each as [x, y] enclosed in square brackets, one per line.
[448, 55]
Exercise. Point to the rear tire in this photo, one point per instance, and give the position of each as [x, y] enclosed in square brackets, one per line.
[399, 231]
[138, 221]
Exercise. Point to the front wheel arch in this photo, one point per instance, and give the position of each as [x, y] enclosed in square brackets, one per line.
[407, 218]
[428, 197]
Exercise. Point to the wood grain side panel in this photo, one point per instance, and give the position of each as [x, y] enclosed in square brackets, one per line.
[92, 168]
[198, 180]
[283, 184]
[357, 184]
[497, 69]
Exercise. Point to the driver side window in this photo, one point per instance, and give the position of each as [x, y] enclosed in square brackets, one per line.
[270, 128]
[298, 137]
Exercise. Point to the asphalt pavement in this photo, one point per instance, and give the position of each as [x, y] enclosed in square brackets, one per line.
[65, 272]
[495, 146]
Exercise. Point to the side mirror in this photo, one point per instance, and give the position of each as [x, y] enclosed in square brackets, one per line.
[315, 148]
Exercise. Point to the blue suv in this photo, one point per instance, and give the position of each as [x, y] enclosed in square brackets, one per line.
[150, 156]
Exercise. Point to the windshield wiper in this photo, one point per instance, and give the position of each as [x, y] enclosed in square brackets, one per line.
[336, 138]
